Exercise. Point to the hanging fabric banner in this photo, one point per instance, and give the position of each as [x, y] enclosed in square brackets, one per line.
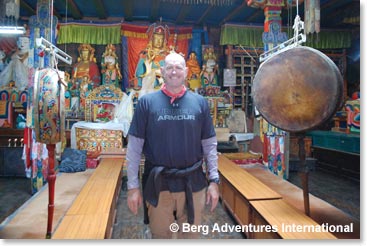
[312, 16]
[89, 33]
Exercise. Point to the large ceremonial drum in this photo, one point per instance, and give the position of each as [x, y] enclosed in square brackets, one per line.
[48, 106]
[298, 89]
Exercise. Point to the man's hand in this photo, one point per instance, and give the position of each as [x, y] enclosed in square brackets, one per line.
[212, 195]
[134, 200]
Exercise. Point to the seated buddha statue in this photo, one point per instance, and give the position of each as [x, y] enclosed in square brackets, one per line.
[210, 68]
[111, 73]
[86, 68]
[194, 71]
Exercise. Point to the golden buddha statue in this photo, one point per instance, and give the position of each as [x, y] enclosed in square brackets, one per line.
[194, 71]
[86, 66]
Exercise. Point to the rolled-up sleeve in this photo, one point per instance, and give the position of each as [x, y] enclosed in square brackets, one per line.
[211, 156]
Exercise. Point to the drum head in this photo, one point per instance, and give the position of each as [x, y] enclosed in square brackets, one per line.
[298, 89]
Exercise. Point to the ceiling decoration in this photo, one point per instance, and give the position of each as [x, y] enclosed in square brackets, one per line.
[197, 13]
[197, 2]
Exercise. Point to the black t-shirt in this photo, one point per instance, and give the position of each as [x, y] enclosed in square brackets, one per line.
[172, 132]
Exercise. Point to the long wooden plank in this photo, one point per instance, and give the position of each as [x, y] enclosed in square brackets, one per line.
[249, 186]
[97, 194]
[96, 200]
[82, 226]
[288, 221]
[90, 214]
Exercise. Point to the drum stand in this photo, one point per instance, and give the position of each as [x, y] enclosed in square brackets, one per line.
[303, 172]
[51, 178]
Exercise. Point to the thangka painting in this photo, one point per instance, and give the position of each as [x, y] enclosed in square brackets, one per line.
[275, 154]
[274, 149]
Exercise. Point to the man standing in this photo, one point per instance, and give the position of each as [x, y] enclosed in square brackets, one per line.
[173, 128]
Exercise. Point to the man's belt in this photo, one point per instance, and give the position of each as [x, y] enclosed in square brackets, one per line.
[153, 185]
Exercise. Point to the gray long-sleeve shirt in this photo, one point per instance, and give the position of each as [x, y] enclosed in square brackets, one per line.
[134, 152]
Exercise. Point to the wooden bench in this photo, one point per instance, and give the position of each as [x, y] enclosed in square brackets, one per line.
[238, 188]
[241, 193]
[249, 186]
[320, 210]
[93, 211]
[285, 221]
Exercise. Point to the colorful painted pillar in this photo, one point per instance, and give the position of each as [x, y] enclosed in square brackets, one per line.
[41, 152]
[39, 26]
[273, 34]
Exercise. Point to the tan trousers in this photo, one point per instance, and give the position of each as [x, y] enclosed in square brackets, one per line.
[161, 217]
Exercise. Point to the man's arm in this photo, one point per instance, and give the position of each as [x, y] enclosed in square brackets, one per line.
[133, 156]
[211, 157]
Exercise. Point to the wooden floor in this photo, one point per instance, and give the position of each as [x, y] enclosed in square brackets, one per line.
[30, 220]
[24, 224]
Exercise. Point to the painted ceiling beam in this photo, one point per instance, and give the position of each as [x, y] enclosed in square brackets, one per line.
[127, 7]
[154, 11]
[185, 9]
[101, 10]
[234, 12]
[25, 5]
[254, 15]
[75, 12]
[204, 15]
